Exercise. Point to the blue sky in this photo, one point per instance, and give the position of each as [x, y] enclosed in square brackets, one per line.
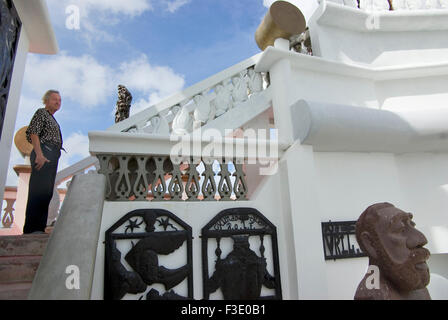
[153, 47]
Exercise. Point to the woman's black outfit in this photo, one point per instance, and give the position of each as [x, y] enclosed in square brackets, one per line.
[41, 185]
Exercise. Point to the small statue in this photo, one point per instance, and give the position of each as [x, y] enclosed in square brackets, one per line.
[123, 104]
[396, 254]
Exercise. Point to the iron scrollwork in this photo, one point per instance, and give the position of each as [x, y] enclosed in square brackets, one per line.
[10, 26]
[144, 237]
[340, 241]
[242, 274]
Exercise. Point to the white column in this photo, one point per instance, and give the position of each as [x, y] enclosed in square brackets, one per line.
[305, 223]
[12, 107]
[280, 75]
[24, 174]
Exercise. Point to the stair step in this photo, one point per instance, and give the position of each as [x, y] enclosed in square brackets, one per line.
[18, 268]
[23, 245]
[15, 290]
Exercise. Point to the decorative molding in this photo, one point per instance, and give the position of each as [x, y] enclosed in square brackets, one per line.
[157, 178]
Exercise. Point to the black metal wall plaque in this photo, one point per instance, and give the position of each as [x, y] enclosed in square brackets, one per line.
[134, 246]
[242, 273]
[339, 240]
[10, 25]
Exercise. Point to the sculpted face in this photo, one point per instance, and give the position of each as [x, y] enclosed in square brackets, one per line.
[400, 252]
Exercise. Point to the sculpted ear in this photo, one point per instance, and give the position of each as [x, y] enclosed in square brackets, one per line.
[368, 245]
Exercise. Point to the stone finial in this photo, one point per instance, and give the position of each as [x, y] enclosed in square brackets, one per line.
[397, 259]
[123, 104]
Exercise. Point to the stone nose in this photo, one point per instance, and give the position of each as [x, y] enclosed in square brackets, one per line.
[416, 239]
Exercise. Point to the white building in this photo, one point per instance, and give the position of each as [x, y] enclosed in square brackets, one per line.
[363, 120]
[32, 32]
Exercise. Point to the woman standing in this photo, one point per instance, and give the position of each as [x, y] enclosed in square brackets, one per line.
[45, 136]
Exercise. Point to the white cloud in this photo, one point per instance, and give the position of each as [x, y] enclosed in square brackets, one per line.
[173, 6]
[307, 7]
[15, 158]
[81, 79]
[95, 16]
[27, 107]
[143, 103]
[117, 7]
[87, 82]
[128, 7]
[77, 146]
[140, 75]
[154, 82]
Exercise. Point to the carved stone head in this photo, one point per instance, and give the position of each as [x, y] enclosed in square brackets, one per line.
[389, 237]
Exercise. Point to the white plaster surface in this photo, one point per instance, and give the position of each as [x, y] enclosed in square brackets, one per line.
[374, 131]
[197, 215]
[73, 243]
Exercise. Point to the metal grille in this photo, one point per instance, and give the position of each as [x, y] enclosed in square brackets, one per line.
[9, 38]
[142, 252]
[251, 268]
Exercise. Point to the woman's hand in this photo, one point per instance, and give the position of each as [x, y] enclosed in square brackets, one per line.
[40, 161]
[40, 158]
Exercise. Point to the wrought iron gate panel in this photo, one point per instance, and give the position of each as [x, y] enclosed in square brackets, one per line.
[242, 274]
[153, 235]
[10, 26]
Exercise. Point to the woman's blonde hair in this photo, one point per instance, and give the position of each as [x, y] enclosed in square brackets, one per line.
[47, 95]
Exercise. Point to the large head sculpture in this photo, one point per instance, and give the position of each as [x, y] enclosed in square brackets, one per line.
[389, 237]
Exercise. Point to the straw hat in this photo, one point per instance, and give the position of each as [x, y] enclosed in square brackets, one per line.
[21, 143]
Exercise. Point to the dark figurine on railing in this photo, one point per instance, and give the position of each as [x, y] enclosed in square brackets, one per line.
[123, 104]
[397, 259]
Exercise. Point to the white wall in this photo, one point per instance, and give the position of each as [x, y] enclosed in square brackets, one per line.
[352, 36]
[382, 48]
[413, 93]
[197, 215]
[349, 182]
[316, 85]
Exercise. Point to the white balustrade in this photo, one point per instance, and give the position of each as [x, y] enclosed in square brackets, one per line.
[199, 104]
[383, 5]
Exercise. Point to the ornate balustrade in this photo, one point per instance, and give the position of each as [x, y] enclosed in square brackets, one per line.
[201, 103]
[396, 5]
[157, 178]
[7, 213]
